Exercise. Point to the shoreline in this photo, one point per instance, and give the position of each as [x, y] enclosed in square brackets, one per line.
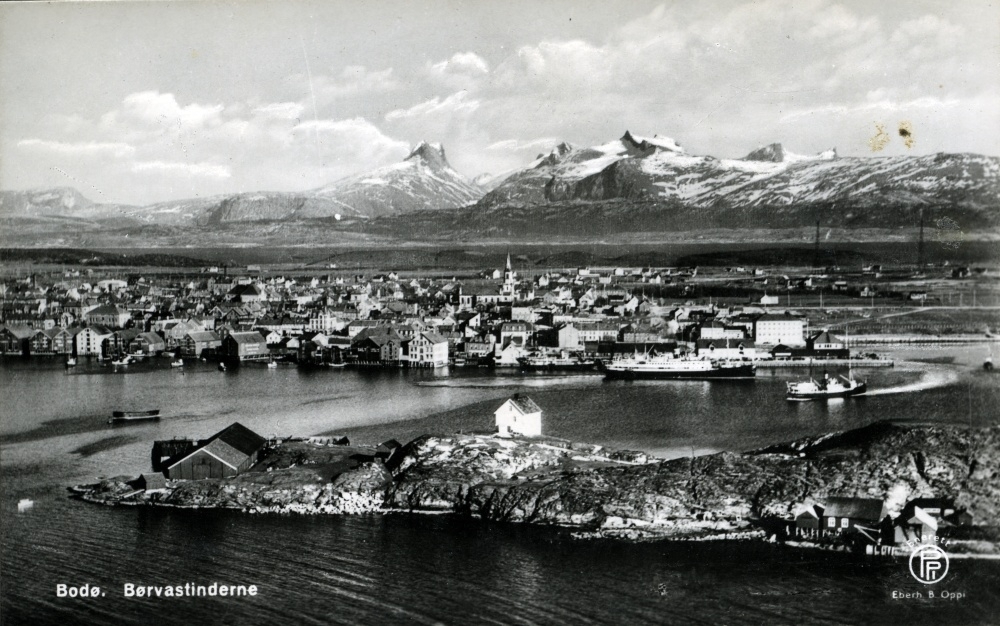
[594, 493]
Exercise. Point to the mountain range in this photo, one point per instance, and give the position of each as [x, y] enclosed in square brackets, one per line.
[632, 185]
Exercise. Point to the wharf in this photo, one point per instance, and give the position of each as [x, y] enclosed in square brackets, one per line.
[807, 362]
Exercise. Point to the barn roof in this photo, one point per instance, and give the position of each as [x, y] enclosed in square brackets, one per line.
[240, 437]
[855, 508]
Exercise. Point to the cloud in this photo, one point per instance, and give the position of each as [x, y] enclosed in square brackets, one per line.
[456, 103]
[281, 110]
[158, 108]
[87, 148]
[191, 169]
[518, 145]
[468, 63]
[879, 106]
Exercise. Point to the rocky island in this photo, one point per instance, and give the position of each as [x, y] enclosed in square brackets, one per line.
[598, 492]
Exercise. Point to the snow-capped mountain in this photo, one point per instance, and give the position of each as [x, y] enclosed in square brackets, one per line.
[633, 184]
[424, 180]
[657, 169]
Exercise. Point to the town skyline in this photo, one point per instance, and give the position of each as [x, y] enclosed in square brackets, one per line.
[186, 100]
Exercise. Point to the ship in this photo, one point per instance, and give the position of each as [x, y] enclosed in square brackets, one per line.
[121, 417]
[677, 368]
[839, 387]
[554, 362]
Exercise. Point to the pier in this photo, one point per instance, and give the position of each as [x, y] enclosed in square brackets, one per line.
[808, 362]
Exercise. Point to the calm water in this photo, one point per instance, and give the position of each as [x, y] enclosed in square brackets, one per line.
[433, 569]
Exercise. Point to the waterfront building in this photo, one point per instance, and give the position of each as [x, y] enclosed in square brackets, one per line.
[245, 346]
[229, 452]
[90, 340]
[772, 329]
[427, 349]
[198, 343]
[519, 415]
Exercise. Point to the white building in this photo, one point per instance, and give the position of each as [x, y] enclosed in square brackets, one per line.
[772, 329]
[428, 349]
[519, 416]
[89, 340]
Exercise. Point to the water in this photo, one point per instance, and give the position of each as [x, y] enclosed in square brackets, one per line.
[433, 569]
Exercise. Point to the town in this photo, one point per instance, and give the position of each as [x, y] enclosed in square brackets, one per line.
[499, 317]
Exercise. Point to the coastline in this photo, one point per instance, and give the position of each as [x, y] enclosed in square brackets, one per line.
[600, 493]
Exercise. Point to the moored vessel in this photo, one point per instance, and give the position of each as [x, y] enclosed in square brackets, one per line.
[556, 362]
[677, 368]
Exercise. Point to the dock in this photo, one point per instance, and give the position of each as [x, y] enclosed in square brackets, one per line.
[808, 362]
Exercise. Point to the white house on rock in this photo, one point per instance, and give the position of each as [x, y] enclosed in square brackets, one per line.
[519, 416]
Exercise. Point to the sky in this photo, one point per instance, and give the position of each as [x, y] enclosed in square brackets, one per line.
[140, 102]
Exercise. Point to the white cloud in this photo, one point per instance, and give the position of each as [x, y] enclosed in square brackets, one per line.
[456, 103]
[86, 148]
[518, 145]
[158, 108]
[193, 169]
[877, 106]
[281, 110]
[462, 63]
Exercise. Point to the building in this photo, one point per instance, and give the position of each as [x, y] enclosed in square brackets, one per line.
[427, 350]
[90, 340]
[198, 343]
[726, 348]
[807, 522]
[245, 346]
[771, 329]
[519, 416]
[843, 513]
[148, 343]
[229, 452]
[107, 315]
[824, 341]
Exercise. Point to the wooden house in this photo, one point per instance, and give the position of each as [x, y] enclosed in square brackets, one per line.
[246, 346]
[807, 522]
[843, 513]
[519, 416]
[199, 343]
[227, 453]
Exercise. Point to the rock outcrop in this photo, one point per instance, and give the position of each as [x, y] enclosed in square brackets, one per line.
[553, 482]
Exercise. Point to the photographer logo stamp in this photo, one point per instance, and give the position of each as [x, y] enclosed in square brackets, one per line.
[929, 564]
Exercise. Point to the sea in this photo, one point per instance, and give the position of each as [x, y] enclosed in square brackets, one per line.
[440, 569]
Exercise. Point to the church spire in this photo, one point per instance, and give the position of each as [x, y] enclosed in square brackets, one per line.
[509, 268]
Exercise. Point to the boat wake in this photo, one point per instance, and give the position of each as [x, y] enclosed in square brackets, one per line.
[932, 378]
[512, 381]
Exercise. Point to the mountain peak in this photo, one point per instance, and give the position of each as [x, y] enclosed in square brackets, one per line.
[655, 143]
[431, 153]
[773, 153]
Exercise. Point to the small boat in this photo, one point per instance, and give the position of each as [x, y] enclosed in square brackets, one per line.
[25, 504]
[840, 387]
[341, 364]
[71, 362]
[271, 365]
[125, 360]
[168, 355]
[177, 363]
[120, 417]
